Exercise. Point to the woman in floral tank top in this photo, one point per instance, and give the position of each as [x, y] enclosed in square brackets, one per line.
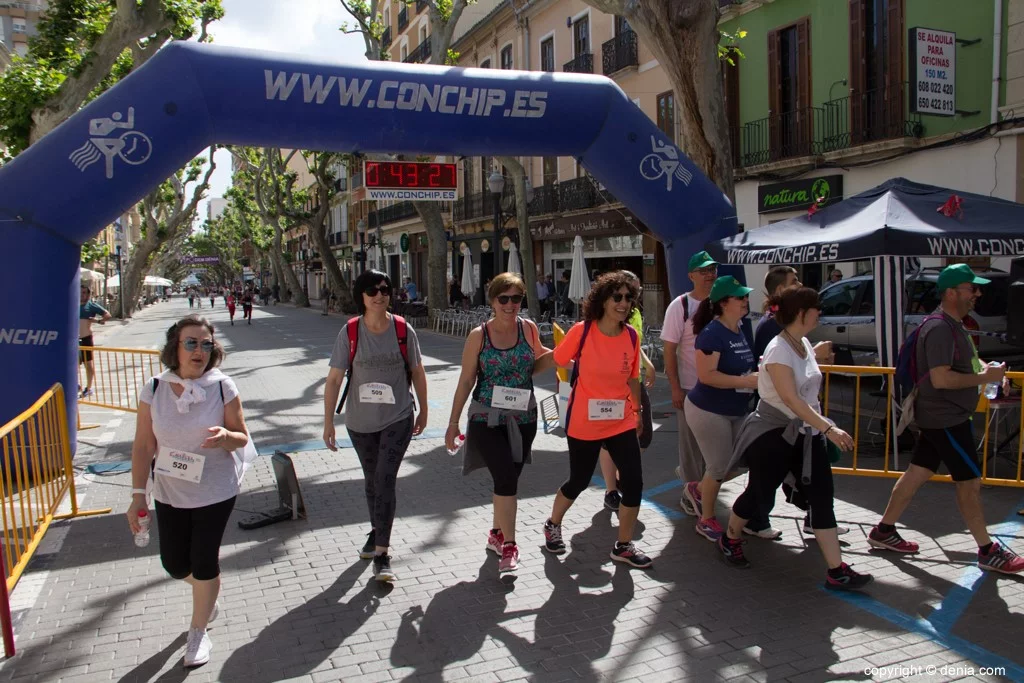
[498, 363]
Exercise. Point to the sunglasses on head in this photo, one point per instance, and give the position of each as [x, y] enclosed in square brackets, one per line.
[617, 297]
[514, 298]
[191, 344]
[382, 288]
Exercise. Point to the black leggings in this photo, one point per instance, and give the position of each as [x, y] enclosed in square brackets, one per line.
[190, 538]
[497, 453]
[380, 454]
[771, 459]
[625, 451]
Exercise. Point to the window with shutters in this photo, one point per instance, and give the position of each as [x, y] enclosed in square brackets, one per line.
[547, 55]
[486, 64]
[790, 123]
[667, 114]
[506, 57]
[877, 89]
[581, 36]
[550, 170]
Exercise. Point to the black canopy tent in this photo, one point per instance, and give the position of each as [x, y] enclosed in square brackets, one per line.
[890, 223]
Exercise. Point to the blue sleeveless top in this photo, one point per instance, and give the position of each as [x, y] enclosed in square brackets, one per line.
[512, 368]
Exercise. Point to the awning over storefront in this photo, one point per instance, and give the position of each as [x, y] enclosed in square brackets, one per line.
[593, 224]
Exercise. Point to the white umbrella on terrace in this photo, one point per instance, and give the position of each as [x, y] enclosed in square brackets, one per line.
[579, 281]
[468, 286]
[513, 260]
[89, 275]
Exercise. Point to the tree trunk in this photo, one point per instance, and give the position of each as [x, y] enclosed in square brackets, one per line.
[298, 297]
[525, 238]
[437, 256]
[133, 272]
[343, 295]
[684, 36]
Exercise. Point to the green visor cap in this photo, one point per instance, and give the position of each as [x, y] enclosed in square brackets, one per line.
[701, 259]
[959, 274]
[727, 285]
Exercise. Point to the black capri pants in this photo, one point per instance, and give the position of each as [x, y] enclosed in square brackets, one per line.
[770, 459]
[625, 451]
[190, 538]
[497, 453]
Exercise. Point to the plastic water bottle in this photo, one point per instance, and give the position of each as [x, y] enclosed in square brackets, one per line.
[992, 388]
[460, 441]
[142, 537]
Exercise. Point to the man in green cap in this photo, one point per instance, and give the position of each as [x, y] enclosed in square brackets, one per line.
[681, 364]
[946, 400]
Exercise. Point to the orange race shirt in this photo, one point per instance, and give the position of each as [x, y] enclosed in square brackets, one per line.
[606, 364]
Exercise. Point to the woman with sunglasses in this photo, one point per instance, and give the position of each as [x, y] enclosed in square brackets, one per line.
[726, 379]
[379, 406]
[787, 439]
[190, 420]
[603, 409]
[498, 363]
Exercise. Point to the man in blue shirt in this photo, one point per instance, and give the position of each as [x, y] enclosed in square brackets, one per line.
[410, 289]
[88, 311]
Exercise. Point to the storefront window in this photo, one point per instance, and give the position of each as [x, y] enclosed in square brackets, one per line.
[615, 243]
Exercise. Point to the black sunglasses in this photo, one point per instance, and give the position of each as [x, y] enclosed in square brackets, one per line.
[372, 290]
[191, 344]
[514, 298]
[617, 297]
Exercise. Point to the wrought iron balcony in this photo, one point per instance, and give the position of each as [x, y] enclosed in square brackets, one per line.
[385, 38]
[421, 54]
[619, 53]
[582, 64]
[481, 205]
[781, 136]
[390, 214]
[403, 18]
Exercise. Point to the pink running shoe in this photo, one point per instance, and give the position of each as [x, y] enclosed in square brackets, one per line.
[495, 541]
[509, 561]
[692, 493]
[709, 529]
[891, 541]
[1000, 559]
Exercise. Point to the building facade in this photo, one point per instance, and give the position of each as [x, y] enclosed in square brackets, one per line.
[17, 24]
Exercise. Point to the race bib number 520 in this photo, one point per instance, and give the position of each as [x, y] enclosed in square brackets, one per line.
[177, 464]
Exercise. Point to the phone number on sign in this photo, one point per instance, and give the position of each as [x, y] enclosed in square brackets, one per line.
[885, 673]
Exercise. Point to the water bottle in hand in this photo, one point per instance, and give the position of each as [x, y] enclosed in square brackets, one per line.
[142, 537]
[460, 441]
[992, 388]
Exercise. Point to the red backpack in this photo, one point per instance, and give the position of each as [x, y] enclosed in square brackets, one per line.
[352, 329]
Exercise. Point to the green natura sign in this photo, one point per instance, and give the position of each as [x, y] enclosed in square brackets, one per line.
[797, 195]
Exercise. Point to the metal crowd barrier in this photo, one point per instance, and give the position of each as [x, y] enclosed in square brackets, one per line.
[119, 374]
[36, 476]
[878, 434]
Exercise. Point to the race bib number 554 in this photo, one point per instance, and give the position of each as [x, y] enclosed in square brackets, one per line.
[606, 409]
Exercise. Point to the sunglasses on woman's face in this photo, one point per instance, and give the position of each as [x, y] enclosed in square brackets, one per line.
[514, 298]
[617, 297]
[191, 344]
[372, 291]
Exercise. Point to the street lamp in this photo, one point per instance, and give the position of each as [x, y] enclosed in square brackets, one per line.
[120, 284]
[496, 183]
[361, 229]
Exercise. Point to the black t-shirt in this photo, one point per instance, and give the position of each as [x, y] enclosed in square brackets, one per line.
[767, 330]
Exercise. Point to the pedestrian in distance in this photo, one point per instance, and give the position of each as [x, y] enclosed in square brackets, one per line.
[230, 303]
[191, 298]
[787, 439]
[191, 421]
[89, 312]
[213, 298]
[719, 402]
[612, 497]
[498, 363]
[277, 293]
[247, 301]
[603, 410]
[380, 356]
[951, 375]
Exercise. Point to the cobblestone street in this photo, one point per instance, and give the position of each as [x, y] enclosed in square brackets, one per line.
[299, 604]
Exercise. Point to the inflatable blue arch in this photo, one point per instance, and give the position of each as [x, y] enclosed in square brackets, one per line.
[68, 186]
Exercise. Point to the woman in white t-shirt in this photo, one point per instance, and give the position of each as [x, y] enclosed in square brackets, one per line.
[190, 420]
[786, 438]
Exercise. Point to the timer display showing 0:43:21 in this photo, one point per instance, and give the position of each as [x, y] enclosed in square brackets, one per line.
[408, 174]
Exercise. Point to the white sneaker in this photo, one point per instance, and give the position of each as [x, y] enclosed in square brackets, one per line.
[214, 613]
[769, 533]
[197, 649]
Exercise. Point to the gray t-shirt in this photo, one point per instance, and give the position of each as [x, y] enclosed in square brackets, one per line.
[378, 359]
[186, 432]
[944, 342]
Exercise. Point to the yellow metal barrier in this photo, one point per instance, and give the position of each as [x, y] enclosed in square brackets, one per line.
[119, 374]
[37, 474]
[885, 399]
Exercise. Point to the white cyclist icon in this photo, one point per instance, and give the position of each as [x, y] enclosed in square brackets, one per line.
[664, 161]
[131, 146]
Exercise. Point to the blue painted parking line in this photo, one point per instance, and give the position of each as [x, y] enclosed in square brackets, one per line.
[666, 511]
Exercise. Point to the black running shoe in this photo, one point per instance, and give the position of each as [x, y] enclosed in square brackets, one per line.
[732, 551]
[553, 538]
[631, 555]
[367, 552]
[612, 500]
[848, 580]
[382, 568]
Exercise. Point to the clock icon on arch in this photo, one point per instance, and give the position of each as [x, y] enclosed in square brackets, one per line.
[137, 148]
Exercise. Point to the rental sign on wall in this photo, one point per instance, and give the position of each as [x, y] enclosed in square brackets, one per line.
[933, 64]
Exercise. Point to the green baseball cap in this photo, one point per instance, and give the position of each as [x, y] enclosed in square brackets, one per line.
[727, 285]
[958, 274]
[701, 259]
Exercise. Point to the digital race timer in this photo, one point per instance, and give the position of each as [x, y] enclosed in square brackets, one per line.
[401, 180]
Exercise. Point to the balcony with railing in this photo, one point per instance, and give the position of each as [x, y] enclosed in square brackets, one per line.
[841, 124]
[391, 214]
[403, 18]
[576, 194]
[385, 38]
[582, 64]
[619, 53]
[421, 55]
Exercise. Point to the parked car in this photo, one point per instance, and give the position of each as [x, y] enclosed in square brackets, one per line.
[848, 312]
